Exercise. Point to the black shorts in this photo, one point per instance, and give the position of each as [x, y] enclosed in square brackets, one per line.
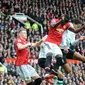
[69, 55]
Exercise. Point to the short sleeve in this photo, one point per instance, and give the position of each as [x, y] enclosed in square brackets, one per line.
[70, 25]
[18, 41]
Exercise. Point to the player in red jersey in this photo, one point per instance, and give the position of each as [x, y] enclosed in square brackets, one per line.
[53, 41]
[23, 68]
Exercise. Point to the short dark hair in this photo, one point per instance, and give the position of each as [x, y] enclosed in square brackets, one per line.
[67, 18]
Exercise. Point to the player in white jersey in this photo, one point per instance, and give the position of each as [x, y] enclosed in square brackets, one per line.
[69, 41]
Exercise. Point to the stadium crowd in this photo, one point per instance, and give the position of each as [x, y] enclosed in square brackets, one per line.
[42, 11]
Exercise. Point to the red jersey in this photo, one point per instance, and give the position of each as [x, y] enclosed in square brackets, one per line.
[55, 34]
[22, 55]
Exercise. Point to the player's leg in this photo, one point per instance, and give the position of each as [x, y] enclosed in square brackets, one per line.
[23, 72]
[78, 56]
[75, 55]
[68, 55]
[48, 54]
[48, 76]
[54, 49]
[34, 75]
[30, 83]
[41, 62]
[48, 62]
[58, 56]
[58, 81]
[61, 61]
[42, 57]
[58, 74]
[45, 56]
[67, 68]
[60, 78]
[37, 81]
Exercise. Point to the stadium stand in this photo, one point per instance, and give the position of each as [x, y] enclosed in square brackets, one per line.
[41, 11]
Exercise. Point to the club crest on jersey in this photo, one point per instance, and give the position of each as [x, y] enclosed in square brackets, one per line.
[60, 30]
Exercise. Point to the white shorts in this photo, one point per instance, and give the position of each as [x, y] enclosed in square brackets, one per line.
[49, 47]
[26, 72]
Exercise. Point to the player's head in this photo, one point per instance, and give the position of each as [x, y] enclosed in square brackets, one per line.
[22, 33]
[65, 18]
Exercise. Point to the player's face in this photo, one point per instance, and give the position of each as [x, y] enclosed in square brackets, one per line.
[65, 18]
[24, 34]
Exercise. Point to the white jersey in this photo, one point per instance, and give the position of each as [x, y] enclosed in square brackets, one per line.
[68, 38]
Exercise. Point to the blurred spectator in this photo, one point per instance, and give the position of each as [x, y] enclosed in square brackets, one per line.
[3, 71]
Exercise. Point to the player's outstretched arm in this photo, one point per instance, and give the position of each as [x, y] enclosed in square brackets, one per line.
[77, 29]
[77, 40]
[39, 42]
[21, 46]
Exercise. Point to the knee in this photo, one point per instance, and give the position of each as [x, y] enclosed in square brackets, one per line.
[60, 60]
[49, 54]
[41, 62]
[48, 58]
[38, 81]
[67, 68]
[58, 56]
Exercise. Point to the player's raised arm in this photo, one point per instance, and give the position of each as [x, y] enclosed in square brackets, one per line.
[76, 30]
[66, 18]
[55, 22]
